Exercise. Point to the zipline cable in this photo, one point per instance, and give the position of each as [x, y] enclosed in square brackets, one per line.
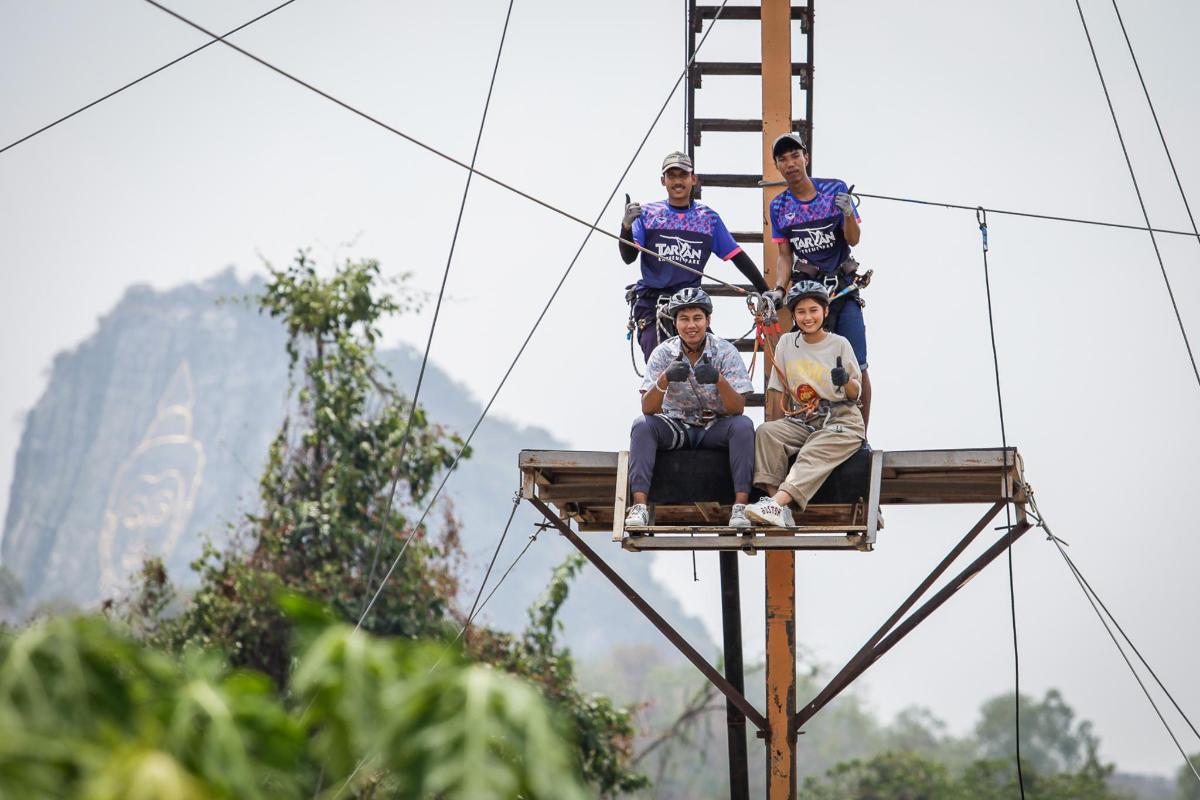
[1161, 136]
[1026, 214]
[1093, 598]
[593, 226]
[541, 316]
[1137, 190]
[981, 219]
[149, 74]
[437, 309]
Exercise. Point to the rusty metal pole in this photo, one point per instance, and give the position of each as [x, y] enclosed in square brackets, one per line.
[780, 566]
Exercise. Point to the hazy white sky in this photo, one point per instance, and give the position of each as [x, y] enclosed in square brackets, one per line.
[217, 161]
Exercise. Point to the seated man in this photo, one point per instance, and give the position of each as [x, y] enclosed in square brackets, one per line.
[817, 380]
[693, 395]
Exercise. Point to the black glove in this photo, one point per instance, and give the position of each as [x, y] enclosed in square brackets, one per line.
[838, 374]
[679, 370]
[706, 372]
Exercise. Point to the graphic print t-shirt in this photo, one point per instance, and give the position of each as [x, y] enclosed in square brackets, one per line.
[688, 236]
[813, 227]
[807, 369]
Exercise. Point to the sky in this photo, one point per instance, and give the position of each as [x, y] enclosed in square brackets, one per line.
[219, 162]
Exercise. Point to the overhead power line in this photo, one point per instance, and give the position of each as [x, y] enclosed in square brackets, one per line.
[1105, 617]
[1137, 191]
[592, 226]
[541, 316]
[149, 74]
[385, 517]
[1157, 125]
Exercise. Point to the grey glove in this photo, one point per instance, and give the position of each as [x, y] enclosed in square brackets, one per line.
[776, 296]
[679, 370]
[706, 373]
[838, 374]
[844, 202]
[632, 211]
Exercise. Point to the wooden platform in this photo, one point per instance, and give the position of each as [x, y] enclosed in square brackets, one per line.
[582, 485]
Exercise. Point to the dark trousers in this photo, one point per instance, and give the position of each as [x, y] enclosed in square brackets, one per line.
[645, 309]
[651, 433]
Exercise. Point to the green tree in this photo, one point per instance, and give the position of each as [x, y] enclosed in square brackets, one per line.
[325, 491]
[1186, 785]
[1051, 738]
[893, 775]
[88, 711]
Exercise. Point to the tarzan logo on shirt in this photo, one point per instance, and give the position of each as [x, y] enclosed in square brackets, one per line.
[811, 240]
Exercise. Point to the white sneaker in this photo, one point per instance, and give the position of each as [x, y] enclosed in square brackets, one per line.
[737, 517]
[637, 516]
[768, 512]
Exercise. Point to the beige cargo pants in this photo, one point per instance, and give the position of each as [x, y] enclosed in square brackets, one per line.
[817, 452]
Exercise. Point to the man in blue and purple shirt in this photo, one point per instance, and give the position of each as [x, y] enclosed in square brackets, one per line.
[681, 230]
[815, 224]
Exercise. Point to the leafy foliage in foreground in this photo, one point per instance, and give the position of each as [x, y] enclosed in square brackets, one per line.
[88, 711]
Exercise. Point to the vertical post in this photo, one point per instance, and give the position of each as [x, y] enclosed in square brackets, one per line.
[780, 565]
[731, 618]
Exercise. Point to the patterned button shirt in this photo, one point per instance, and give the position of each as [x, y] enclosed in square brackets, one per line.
[688, 401]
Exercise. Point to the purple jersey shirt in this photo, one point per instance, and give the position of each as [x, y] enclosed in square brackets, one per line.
[812, 227]
[688, 237]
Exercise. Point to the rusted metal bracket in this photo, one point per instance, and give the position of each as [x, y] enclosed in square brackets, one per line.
[664, 627]
[893, 630]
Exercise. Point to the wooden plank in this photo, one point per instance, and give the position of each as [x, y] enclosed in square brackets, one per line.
[622, 490]
[572, 459]
[945, 459]
[751, 544]
[727, 530]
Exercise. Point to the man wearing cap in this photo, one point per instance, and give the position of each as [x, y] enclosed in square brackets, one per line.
[815, 224]
[681, 230]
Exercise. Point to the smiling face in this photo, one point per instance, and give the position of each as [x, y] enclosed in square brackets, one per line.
[809, 315]
[679, 183]
[792, 165]
[692, 325]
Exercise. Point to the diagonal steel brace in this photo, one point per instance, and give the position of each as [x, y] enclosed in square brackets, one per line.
[664, 627]
[892, 631]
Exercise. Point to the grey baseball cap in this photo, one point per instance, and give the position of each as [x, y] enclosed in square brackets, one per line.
[677, 160]
[785, 142]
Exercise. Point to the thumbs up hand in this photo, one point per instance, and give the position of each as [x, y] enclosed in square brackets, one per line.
[679, 370]
[838, 374]
[633, 210]
[706, 373]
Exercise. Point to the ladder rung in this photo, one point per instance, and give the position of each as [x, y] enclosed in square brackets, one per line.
[743, 345]
[730, 181]
[756, 400]
[745, 13]
[701, 68]
[748, 237]
[717, 290]
[737, 126]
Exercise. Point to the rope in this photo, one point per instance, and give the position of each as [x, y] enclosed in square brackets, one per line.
[1137, 190]
[1093, 599]
[412, 411]
[592, 226]
[149, 74]
[981, 219]
[1161, 137]
[537, 322]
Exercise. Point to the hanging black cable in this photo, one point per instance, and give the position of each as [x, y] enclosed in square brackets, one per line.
[488, 572]
[1161, 136]
[1093, 599]
[149, 74]
[1137, 190]
[386, 512]
[542, 315]
[981, 219]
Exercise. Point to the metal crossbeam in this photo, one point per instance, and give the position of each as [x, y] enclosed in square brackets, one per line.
[724, 686]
